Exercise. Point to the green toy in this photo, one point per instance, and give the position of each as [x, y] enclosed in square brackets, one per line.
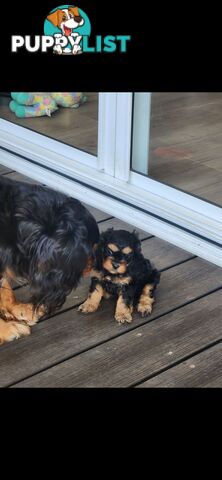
[29, 98]
[32, 104]
[37, 104]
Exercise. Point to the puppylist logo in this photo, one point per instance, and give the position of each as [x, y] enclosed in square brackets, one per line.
[67, 31]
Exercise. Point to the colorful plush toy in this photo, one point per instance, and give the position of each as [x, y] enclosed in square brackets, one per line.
[37, 104]
[32, 104]
[68, 99]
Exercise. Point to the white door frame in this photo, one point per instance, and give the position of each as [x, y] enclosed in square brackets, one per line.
[107, 183]
[41, 148]
[141, 132]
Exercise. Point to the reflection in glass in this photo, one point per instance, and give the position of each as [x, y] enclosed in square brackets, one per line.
[177, 140]
[77, 127]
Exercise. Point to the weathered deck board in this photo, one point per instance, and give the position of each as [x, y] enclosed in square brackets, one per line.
[73, 350]
[130, 358]
[71, 332]
[163, 254]
[201, 371]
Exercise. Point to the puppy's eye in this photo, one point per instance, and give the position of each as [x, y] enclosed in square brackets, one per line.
[64, 18]
[109, 251]
[71, 15]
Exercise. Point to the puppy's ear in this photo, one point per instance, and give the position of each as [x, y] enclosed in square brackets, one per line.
[104, 237]
[109, 230]
[135, 233]
[137, 243]
[55, 18]
[74, 11]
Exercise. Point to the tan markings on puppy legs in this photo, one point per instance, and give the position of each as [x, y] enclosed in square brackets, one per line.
[13, 310]
[12, 330]
[145, 304]
[93, 301]
[123, 313]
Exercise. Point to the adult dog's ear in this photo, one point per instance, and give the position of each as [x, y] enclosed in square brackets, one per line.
[55, 18]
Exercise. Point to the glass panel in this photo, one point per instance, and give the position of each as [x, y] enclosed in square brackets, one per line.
[177, 140]
[70, 117]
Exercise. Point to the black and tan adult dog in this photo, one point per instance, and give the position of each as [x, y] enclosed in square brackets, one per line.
[120, 270]
[46, 239]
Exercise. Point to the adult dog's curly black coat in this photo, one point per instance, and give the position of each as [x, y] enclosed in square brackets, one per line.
[46, 238]
[121, 270]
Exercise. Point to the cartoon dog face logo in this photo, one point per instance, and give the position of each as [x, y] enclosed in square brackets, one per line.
[67, 20]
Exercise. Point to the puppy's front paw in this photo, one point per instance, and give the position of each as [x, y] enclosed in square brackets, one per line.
[145, 307]
[122, 317]
[76, 50]
[57, 49]
[146, 300]
[123, 312]
[88, 307]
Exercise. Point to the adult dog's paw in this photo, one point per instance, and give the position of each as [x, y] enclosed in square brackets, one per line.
[12, 330]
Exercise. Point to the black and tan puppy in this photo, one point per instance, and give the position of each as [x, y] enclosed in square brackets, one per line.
[121, 270]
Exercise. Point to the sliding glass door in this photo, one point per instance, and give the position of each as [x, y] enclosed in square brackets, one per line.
[70, 118]
[176, 155]
[152, 160]
[178, 141]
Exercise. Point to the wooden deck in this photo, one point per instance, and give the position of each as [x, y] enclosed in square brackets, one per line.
[179, 345]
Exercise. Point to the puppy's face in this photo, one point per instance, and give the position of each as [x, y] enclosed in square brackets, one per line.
[66, 19]
[119, 248]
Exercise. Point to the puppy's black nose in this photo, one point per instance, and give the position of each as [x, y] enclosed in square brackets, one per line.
[77, 18]
[115, 265]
